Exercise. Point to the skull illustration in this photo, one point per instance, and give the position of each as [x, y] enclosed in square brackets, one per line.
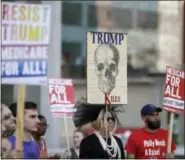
[106, 60]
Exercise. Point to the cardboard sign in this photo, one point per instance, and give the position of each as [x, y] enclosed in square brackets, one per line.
[25, 41]
[174, 91]
[106, 68]
[61, 95]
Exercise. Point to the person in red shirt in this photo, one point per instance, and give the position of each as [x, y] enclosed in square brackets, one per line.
[149, 142]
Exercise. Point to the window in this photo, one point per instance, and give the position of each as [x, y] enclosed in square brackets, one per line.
[92, 16]
[147, 20]
[71, 13]
[73, 60]
[122, 18]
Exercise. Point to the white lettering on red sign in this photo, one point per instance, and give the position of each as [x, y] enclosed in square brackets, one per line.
[61, 94]
[58, 95]
[174, 89]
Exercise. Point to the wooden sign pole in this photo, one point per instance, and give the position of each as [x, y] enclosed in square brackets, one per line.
[105, 121]
[106, 112]
[20, 118]
[66, 130]
[170, 132]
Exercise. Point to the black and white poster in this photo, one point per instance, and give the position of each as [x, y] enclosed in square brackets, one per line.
[106, 68]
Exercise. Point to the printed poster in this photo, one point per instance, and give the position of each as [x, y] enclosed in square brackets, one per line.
[61, 95]
[25, 42]
[174, 91]
[106, 68]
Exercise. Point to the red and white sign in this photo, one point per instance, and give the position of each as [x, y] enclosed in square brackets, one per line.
[174, 91]
[61, 95]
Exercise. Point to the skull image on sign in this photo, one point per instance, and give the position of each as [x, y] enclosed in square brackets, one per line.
[106, 60]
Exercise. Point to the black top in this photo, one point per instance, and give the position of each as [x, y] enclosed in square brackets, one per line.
[91, 148]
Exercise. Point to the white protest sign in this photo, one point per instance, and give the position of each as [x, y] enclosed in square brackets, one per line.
[106, 68]
[25, 41]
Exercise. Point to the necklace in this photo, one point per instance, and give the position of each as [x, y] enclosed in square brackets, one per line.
[113, 149]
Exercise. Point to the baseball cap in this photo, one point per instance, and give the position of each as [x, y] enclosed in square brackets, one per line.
[149, 109]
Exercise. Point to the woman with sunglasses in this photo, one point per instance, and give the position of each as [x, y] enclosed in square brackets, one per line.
[102, 144]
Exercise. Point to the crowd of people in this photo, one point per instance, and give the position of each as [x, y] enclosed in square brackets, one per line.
[148, 142]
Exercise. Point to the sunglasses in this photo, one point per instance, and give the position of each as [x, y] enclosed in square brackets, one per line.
[110, 118]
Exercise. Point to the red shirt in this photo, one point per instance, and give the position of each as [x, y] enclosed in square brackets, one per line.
[152, 145]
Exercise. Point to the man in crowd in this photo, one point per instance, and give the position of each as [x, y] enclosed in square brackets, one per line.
[42, 128]
[30, 148]
[7, 120]
[149, 142]
[7, 125]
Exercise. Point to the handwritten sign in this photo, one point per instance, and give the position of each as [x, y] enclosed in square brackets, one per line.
[25, 41]
[174, 91]
[106, 68]
[61, 95]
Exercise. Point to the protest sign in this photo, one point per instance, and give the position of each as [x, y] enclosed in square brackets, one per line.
[173, 97]
[106, 68]
[61, 95]
[25, 41]
[174, 91]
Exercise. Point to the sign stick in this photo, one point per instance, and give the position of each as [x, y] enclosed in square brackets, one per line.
[106, 124]
[67, 138]
[20, 117]
[105, 121]
[170, 131]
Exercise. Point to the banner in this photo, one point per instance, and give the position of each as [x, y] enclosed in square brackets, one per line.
[106, 68]
[25, 42]
[174, 91]
[61, 95]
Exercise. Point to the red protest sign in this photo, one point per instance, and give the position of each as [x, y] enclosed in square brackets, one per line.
[61, 95]
[174, 91]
